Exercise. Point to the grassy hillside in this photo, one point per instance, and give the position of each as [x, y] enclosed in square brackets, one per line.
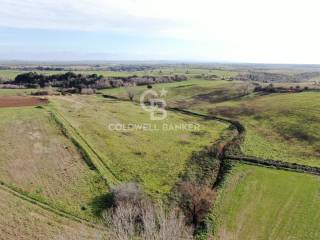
[279, 126]
[261, 203]
[152, 157]
[190, 93]
[23, 220]
[41, 162]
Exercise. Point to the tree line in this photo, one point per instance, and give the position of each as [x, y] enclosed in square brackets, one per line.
[80, 81]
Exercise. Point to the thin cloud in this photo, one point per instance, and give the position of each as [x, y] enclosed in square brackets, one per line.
[246, 30]
[94, 15]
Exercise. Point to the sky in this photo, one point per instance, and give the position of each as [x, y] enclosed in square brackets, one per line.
[256, 31]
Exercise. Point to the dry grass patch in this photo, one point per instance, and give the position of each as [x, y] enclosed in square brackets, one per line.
[25, 221]
[37, 159]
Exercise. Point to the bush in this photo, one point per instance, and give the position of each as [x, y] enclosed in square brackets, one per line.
[129, 221]
[87, 91]
[196, 201]
[134, 216]
[127, 193]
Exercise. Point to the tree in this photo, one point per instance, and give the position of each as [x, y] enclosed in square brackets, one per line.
[127, 193]
[147, 221]
[196, 201]
[135, 216]
[130, 91]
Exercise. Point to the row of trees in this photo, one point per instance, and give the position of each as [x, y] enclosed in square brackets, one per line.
[94, 81]
[276, 77]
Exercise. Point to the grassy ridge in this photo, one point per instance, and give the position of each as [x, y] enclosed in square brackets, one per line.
[91, 156]
[260, 203]
[180, 94]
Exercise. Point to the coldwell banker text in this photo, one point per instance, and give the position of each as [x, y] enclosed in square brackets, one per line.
[154, 127]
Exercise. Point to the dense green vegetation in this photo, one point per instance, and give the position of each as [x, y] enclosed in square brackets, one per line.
[77, 81]
[156, 71]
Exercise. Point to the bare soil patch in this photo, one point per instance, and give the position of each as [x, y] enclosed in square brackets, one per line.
[19, 101]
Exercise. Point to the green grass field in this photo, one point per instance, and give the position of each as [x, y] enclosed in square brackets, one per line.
[16, 92]
[38, 160]
[154, 158]
[260, 203]
[9, 74]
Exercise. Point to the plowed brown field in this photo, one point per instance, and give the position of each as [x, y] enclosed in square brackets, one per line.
[18, 101]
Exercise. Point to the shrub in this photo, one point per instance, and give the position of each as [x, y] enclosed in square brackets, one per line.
[134, 216]
[127, 193]
[196, 201]
[87, 91]
[129, 221]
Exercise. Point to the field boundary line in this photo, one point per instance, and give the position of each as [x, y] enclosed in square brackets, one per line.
[47, 207]
[294, 167]
[270, 163]
[88, 152]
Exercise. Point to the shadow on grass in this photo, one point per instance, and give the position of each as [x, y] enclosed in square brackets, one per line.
[101, 203]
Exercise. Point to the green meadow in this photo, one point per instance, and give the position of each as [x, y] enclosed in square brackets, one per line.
[154, 156]
[279, 126]
[261, 203]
